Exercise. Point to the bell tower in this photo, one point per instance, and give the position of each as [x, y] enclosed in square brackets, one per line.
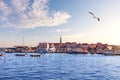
[60, 39]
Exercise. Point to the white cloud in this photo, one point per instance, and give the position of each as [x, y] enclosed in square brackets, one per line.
[29, 14]
[62, 30]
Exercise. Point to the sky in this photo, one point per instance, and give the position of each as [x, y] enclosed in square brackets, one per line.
[46, 20]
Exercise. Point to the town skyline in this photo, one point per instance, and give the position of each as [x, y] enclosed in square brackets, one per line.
[60, 41]
[46, 20]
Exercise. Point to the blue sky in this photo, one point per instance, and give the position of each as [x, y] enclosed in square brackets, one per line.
[47, 20]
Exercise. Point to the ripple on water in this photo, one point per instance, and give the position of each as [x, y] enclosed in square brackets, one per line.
[60, 67]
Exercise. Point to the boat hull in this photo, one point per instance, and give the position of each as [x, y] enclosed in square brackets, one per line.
[35, 55]
[20, 54]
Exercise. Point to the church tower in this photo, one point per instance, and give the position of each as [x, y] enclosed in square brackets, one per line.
[60, 39]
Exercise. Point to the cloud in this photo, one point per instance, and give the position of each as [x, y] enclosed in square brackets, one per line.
[29, 14]
[62, 30]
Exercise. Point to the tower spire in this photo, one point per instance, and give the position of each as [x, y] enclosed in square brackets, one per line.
[60, 39]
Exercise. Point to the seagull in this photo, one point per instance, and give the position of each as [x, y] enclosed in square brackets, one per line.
[94, 16]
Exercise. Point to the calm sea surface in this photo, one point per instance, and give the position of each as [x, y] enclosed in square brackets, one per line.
[60, 67]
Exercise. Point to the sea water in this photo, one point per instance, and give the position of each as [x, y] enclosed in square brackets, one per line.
[59, 66]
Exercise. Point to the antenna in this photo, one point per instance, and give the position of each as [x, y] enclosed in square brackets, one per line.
[23, 41]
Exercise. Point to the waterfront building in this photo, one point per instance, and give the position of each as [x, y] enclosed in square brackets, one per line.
[116, 49]
[92, 46]
[109, 47]
[10, 50]
[43, 47]
[20, 48]
[31, 49]
[99, 46]
[52, 48]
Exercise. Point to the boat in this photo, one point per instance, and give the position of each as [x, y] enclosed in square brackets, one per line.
[78, 51]
[1, 54]
[36, 55]
[43, 51]
[111, 53]
[21, 54]
[75, 52]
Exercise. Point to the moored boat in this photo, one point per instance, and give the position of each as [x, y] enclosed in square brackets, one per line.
[21, 54]
[36, 55]
[73, 52]
[1, 54]
[111, 53]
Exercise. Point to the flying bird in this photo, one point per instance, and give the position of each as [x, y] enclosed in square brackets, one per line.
[94, 16]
